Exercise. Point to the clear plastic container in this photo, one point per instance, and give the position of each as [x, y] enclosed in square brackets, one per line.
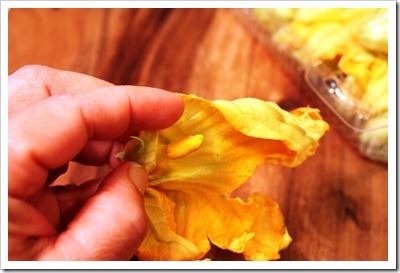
[364, 127]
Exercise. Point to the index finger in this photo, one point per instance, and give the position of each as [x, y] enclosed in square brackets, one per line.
[53, 131]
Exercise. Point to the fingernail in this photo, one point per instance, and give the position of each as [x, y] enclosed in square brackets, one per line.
[138, 175]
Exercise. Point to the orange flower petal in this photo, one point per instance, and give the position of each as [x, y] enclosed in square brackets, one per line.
[230, 139]
[214, 148]
[255, 228]
[267, 223]
[162, 242]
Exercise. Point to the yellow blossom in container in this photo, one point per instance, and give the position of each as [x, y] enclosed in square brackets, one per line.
[370, 72]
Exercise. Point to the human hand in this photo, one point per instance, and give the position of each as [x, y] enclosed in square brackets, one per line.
[56, 117]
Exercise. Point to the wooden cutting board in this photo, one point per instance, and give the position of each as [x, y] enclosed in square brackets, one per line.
[335, 204]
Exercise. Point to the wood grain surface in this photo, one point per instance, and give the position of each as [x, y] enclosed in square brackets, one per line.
[335, 204]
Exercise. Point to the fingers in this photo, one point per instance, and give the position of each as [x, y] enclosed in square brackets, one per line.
[100, 152]
[33, 83]
[112, 223]
[72, 198]
[53, 131]
[25, 224]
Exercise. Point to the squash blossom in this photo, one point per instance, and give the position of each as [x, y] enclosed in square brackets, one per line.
[354, 39]
[353, 42]
[196, 163]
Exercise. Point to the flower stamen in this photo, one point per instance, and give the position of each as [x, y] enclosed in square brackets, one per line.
[184, 146]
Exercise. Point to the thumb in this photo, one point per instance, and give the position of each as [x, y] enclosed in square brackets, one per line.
[112, 223]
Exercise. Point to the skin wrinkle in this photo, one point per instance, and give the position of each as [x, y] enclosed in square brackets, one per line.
[63, 252]
[72, 198]
[39, 245]
[38, 158]
[51, 82]
[29, 84]
[54, 85]
[99, 152]
[47, 85]
[92, 138]
[87, 125]
[131, 112]
[33, 218]
[27, 160]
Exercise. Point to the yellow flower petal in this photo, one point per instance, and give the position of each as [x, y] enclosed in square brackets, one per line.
[376, 93]
[162, 242]
[206, 215]
[255, 228]
[237, 136]
[322, 34]
[267, 223]
[342, 15]
[370, 72]
[214, 148]
[299, 131]
[357, 62]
